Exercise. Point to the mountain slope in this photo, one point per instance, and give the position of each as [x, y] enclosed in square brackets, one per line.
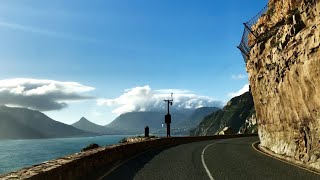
[22, 123]
[231, 117]
[198, 114]
[10, 129]
[86, 125]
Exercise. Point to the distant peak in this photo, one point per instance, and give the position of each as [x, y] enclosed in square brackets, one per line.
[84, 119]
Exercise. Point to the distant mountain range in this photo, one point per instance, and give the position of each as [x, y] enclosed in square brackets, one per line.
[135, 122]
[86, 125]
[23, 123]
[182, 121]
[232, 118]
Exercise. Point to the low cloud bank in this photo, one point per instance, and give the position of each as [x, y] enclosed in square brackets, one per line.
[40, 94]
[143, 98]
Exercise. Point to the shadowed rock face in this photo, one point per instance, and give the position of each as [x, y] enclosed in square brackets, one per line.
[284, 74]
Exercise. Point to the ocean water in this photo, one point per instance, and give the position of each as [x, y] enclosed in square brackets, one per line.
[16, 154]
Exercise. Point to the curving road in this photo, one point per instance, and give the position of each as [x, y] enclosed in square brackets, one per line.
[217, 159]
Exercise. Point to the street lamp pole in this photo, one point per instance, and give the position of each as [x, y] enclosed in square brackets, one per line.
[167, 117]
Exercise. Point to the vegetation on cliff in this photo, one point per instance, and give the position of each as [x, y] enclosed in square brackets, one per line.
[228, 120]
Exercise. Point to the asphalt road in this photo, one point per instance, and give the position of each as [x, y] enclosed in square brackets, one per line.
[223, 159]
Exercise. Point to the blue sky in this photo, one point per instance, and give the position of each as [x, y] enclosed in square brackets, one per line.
[114, 45]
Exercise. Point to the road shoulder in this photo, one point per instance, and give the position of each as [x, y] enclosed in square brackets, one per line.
[256, 146]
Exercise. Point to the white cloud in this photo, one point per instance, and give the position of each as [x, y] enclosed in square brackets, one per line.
[238, 76]
[143, 98]
[40, 94]
[244, 89]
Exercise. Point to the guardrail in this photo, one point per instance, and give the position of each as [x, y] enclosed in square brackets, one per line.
[244, 46]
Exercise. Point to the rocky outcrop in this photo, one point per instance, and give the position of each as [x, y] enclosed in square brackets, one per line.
[229, 120]
[250, 126]
[226, 130]
[137, 139]
[284, 74]
[90, 146]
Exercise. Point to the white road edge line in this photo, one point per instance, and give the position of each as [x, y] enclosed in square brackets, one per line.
[202, 158]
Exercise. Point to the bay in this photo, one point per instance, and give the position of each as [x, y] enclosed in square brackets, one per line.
[17, 154]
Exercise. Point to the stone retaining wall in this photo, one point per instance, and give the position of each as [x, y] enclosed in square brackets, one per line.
[83, 164]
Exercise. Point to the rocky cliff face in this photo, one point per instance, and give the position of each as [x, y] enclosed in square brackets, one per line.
[284, 74]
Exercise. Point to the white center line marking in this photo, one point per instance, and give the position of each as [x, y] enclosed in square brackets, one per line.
[204, 163]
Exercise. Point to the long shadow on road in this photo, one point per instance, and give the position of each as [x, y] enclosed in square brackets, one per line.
[129, 169]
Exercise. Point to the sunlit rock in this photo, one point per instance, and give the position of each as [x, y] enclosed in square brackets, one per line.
[284, 74]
